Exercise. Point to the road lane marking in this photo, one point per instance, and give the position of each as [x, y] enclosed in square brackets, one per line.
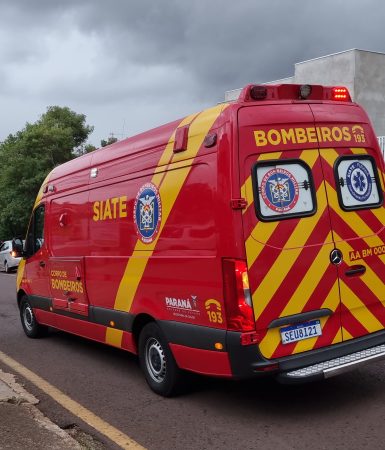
[72, 406]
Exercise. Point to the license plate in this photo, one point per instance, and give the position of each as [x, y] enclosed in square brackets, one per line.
[301, 331]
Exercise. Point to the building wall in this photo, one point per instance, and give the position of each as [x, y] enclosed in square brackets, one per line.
[370, 87]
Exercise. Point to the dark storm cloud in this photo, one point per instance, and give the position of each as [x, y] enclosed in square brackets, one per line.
[169, 54]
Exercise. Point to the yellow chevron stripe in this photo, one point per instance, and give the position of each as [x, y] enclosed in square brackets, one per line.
[346, 335]
[270, 342]
[332, 302]
[277, 273]
[358, 309]
[310, 280]
[171, 184]
[352, 218]
[355, 222]
[359, 151]
[263, 230]
[370, 278]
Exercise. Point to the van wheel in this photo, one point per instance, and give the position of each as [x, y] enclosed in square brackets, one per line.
[157, 362]
[30, 326]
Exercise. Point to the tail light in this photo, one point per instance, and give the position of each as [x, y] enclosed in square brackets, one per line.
[239, 309]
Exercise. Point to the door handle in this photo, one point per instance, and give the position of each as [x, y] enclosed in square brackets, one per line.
[355, 270]
[42, 264]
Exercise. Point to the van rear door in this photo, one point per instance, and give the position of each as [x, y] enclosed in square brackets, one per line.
[287, 231]
[354, 188]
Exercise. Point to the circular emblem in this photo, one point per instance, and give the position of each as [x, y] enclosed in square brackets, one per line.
[147, 212]
[359, 181]
[279, 190]
[336, 257]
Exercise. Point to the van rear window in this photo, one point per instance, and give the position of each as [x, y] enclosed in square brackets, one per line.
[358, 184]
[283, 189]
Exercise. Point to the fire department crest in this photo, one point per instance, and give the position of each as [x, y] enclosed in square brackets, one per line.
[279, 190]
[147, 212]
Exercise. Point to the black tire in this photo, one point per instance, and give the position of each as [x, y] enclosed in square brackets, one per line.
[30, 326]
[157, 362]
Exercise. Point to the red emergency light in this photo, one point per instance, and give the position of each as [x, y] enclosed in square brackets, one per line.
[340, 94]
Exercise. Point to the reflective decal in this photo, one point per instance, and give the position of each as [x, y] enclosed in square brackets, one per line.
[147, 212]
[359, 181]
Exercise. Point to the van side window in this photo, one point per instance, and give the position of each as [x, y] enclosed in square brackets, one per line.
[35, 235]
[283, 189]
[357, 181]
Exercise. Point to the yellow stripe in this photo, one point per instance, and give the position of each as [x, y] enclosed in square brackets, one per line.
[369, 278]
[73, 407]
[270, 342]
[332, 302]
[286, 259]
[359, 151]
[346, 335]
[20, 273]
[308, 344]
[263, 230]
[311, 280]
[40, 193]
[353, 219]
[359, 310]
[114, 337]
[171, 184]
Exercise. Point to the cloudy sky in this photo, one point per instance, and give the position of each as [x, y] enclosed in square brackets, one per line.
[132, 65]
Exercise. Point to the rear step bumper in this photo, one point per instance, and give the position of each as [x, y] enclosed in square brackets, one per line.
[332, 367]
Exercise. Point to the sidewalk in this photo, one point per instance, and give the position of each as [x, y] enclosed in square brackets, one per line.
[23, 426]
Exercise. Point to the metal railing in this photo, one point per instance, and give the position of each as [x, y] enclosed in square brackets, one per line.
[381, 142]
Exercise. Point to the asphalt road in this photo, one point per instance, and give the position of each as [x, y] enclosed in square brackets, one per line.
[346, 412]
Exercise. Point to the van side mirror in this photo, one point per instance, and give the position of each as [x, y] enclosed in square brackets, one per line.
[17, 248]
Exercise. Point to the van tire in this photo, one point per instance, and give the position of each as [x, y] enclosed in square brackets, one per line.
[30, 325]
[157, 362]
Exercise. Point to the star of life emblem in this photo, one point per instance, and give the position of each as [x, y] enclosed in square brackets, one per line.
[358, 181]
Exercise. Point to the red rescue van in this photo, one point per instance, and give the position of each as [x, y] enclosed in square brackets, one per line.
[243, 240]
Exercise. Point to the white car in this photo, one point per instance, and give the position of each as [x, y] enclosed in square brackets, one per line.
[7, 261]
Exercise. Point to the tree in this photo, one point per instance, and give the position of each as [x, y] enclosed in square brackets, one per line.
[111, 140]
[29, 155]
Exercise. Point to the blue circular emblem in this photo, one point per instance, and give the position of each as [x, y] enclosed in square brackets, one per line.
[279, 190]
[359, 181]
[147, 212]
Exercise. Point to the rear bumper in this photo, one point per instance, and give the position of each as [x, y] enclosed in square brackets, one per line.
[332, 367]
[308, 366]
[194, 349]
